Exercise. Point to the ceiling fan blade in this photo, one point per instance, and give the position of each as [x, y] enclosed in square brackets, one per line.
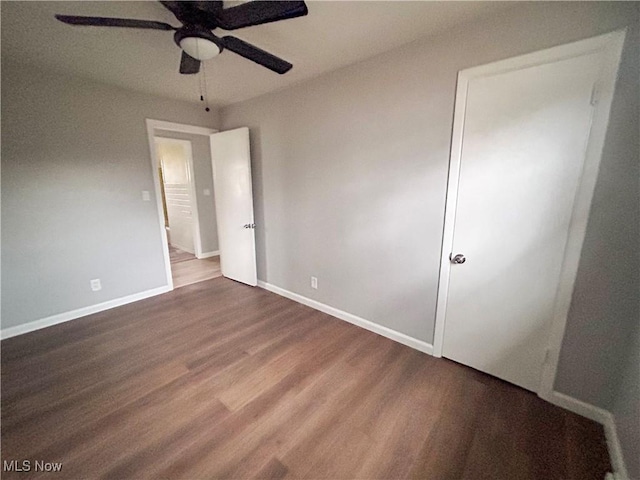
[179, 9]
[258, 12]
[256, 54]
[188, 64]
[113, 22]
[213, 7]
[201, 13]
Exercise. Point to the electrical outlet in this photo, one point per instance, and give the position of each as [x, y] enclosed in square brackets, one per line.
[206, 192]
[146, 196]
[96, 285]
[314, 283]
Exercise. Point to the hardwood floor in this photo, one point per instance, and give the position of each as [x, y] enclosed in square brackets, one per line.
[176, 255]
[186, 269]
[221, 380]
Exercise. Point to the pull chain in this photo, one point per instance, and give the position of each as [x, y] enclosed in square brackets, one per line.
[202, 82]
[200, 87]
[206, 93]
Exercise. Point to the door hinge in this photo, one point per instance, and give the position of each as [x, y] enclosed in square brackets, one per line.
[595, 93]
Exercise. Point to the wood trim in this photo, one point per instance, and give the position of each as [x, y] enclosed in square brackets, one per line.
[615, 448]
[611, 46]
[577, 406]
[414, 343]
[80, 312]
[204, 255]
[181, 127]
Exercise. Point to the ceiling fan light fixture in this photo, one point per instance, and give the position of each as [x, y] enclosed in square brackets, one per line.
[200, 48]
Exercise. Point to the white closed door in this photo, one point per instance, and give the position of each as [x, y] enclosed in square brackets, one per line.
[174, 156]
[231, 159]
[524, 139]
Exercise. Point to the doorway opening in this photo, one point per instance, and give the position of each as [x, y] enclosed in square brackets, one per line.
[183, 170]
[219, 223]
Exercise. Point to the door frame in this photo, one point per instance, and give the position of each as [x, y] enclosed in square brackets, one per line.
[153, 125]
[188, 148]
[611, 46]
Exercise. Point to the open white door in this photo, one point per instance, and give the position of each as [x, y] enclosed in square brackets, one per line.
[234, 204]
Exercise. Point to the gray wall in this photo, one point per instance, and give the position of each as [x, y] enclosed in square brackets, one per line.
[75, 159]
[350, 168]
[605, 306]
[203, 177]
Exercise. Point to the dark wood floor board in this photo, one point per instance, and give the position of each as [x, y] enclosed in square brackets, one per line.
[498, 434]
[80, 410]
[221, 380]
[285, 410]
[400, 429]
[278, 405]
[257, 335]
[349, 441]
[587, 454]
[449, 439]
[117, 424]
[165, 343]
[355, 386]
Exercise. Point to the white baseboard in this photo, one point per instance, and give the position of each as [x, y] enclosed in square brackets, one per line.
[80, 312]
[615, 449]
[208, 254]
[348, 317]
[574, 405]
[603, 417]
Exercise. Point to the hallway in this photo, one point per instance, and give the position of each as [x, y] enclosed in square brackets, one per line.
[186, 269]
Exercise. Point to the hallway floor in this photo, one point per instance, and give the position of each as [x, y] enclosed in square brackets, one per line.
[186, 269]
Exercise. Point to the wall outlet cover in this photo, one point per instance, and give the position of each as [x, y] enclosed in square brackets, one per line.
[96, 285]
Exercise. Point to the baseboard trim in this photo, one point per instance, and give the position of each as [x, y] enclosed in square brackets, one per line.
[615, 449]
[208, 254]
[603, 417]
[353, 319]
[80, 312]
[574, 405]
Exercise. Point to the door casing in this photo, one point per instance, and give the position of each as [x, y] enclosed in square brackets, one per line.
[152, 125]
[611, 47]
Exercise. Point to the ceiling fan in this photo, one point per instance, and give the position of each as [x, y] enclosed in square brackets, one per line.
[199, 18]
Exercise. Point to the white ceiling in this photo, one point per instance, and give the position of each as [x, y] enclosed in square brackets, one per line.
[332, 35]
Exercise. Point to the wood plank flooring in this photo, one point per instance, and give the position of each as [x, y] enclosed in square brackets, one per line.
[186, 269]
[221, 380]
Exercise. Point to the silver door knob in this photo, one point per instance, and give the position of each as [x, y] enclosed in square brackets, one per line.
[457, 259]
